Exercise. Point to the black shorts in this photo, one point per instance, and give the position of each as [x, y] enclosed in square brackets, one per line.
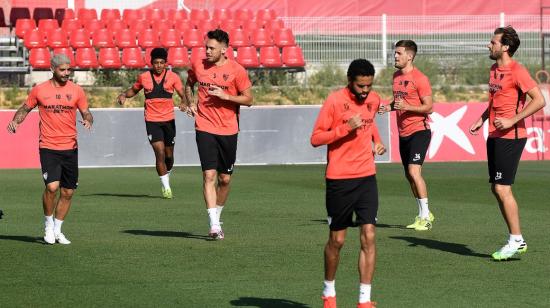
[60, 166]
[161, 131]
[217, 151]
[413, 148]
[346, 196]
[503, 157]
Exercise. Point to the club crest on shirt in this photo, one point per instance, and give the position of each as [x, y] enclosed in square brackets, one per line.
[404, 83]
[346, 106]
[214, 76]
[225, 77]
[69, 97]
[501, 76]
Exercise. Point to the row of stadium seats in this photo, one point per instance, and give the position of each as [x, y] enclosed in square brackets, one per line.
[134, 57]
[40, 13]
[150, 38]
[69, 25]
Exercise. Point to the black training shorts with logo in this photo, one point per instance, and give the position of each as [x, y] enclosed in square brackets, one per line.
[161, 131]
[60, 165]
[503, 156]
[217, 152]
[413, 148]
[347, 196]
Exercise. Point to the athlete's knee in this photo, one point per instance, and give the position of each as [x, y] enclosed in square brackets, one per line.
[51, 188]
[368, 236]
[209, 176]
[414, 171]
[224, 179]
[336, 242]
[67, 193]
[501, 190]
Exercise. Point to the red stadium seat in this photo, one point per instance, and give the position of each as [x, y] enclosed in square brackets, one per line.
[131, 14]
[109, 58]
[132, 58]
[250, 25]
[283, 37]
[239, 38]
[24, 25]
[115, 25]
[86, 58]
[266, 14]
[148, 38]
[125, 38]
[229, 25]
[199, 14]
[103, 38]
[261, 37]
[86, 14]
[34, 39]
[197, 54]
[109, 14]
[147, 56]
[154, 14]
[222, 14]
[93, 24]
[178, 57]
[69, 25]
[271, 25]
[80, 38]
[247, 57]
[17, 13]
[40, 13]
[2, 18]
[293, 57]
[230, 53]
[46, 25]
[173, 14]
[170, 38]
[68, 51]
[65, 14]
[182, 25]
[40, 58]
[161, 25]
[243, 15]
[193, 38]
[270, 57]
[137, 25]
[206, 25]
[57, 38]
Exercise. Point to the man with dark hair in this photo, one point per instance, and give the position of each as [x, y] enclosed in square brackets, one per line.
[159, 85]
[412, 100]
[57, 100]
[509, 84]
[346, 124]
[223, 86]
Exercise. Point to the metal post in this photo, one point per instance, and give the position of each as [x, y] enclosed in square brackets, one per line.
[502, 19]
[384, 41]
[70, 4]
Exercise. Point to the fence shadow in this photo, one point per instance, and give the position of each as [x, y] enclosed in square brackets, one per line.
[266, 303]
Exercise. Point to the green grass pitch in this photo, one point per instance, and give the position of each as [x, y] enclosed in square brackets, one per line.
[132, 249]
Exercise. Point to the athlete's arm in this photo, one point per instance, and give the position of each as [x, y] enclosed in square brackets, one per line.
[130, 92]
[425, 108]
[379, 147]
[18, 118]
[322, 132]
[536, 103]
[191, 101]
[87, 118]
[474, 128]
[244, 98]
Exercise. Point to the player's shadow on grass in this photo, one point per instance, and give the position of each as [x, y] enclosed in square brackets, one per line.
[22, 238]
[459, 249]
[266, 303]
[122, 195]
[168, 234]
[390, 226]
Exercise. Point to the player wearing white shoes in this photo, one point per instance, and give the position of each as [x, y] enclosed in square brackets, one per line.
[509, 86]
[159, 85]
[412, 101]
[223, 86]
[57, 100]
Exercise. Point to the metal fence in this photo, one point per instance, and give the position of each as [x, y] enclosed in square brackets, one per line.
[442, 38]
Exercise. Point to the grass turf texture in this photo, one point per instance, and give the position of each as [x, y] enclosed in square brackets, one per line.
[132, 249]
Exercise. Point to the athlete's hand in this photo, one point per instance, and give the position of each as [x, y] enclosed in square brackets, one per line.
[121, 99]
[383, 109]
[12, 127]
[379, 149]
[86, 124]
[218, 92]
[474, 129]
[503, 123]
[400, 105]
[355, 121]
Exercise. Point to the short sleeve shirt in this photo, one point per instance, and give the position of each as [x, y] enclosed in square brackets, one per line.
[214, 115]
[410, 88]
[159, 109]
[57, 109]
[508, 86]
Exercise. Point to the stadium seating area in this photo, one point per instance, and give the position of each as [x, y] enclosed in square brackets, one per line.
[115, 40]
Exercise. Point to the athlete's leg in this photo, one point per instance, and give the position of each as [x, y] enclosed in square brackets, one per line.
[169, 157]
[160, 156]
[418, 186]
[411, 183]
[332, 253]
[223, 188]
[508, 206]
[48, 198]
[367, 254]
[209, 187]
[64, 203]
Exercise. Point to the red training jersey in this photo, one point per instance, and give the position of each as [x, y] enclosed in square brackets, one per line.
[409, 88]
[349, 153]
[508, 86]
[159, 109]
[57, 109]
[214, 115]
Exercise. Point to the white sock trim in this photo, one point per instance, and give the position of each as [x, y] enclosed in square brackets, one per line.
[425, 211]
[213, 216]
[329, 289]
[57, 226]
[364, 292]
[165, 181]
